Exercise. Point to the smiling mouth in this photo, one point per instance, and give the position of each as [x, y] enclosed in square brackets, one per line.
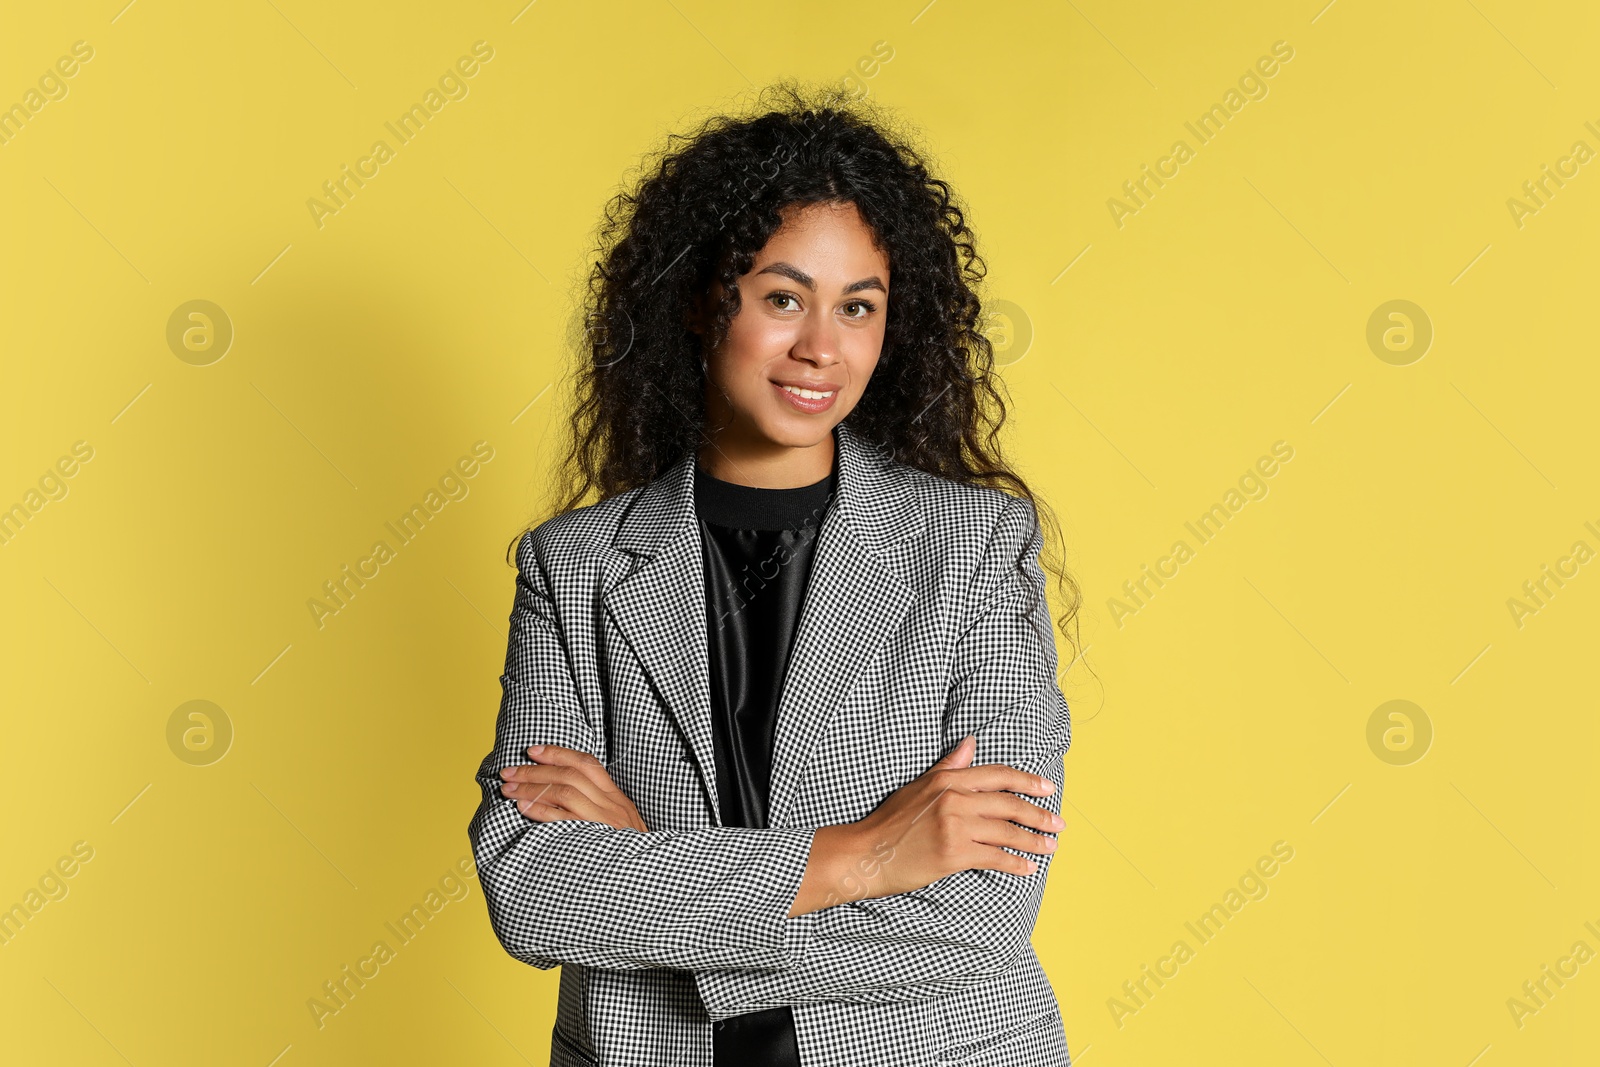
[807, 401]
[809, 394]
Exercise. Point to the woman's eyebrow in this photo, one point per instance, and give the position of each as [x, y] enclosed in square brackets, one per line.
[788, 270]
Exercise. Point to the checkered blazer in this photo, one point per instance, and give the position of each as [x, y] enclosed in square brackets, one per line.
[914, 633]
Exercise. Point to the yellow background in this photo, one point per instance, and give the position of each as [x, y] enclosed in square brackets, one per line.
[1229, 313]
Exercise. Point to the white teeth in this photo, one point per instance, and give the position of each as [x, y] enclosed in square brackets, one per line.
[809, 394]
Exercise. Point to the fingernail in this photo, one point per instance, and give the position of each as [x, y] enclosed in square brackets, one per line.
[1047, 785]
[1057, 821]
[535, 750]
[1032, 867]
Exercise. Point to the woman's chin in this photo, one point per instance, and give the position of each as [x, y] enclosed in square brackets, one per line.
[796, 431]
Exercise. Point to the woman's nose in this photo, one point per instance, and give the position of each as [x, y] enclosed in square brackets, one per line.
[818, 341]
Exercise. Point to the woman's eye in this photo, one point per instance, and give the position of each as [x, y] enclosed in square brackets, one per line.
[867, 308]
[781, 296]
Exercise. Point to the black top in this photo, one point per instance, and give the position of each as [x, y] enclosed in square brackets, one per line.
[757, 546]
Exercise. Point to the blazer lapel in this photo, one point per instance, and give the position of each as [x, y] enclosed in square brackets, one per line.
[660, 606]
[855, 598]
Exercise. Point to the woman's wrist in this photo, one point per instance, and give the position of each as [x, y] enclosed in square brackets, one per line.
[843, 866]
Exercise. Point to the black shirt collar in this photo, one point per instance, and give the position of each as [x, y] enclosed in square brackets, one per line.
[748, 507]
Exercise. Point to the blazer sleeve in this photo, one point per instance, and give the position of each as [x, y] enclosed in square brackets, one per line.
[575, 891]
[969, 926]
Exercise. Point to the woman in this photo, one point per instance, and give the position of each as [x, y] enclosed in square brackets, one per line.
[735, 788]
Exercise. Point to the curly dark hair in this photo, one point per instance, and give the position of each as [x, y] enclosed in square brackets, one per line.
[702, 207]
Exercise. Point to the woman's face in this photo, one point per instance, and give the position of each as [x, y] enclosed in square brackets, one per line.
[811, 316]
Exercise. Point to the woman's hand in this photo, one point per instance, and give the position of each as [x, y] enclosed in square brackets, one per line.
[954, 817]
[564, 783]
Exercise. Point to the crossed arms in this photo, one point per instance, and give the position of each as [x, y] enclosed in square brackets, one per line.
[716, 901]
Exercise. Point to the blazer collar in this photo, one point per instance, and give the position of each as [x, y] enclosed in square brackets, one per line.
[855, 598]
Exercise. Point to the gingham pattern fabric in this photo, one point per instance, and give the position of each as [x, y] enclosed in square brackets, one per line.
[914, 633]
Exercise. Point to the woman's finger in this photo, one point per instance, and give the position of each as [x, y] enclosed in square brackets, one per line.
[585, 789]
[579, 762]
[998, 859]
[539, 811]
[999, 776]
[536, 778]
[574, 798]
[1015, 809]
[529, 786]
[995, 832]
[548, 802]
[549, 772]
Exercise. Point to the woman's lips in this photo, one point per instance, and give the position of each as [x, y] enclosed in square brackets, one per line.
[811, 406]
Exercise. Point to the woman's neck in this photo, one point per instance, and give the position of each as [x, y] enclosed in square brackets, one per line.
[766, 464]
